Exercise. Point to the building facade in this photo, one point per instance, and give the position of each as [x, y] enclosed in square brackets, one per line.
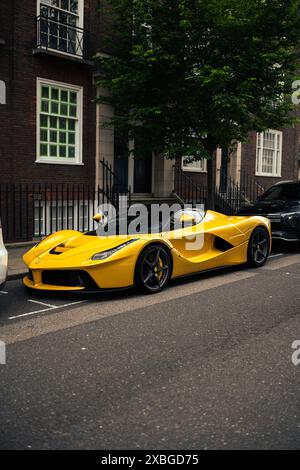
[264, 159]
[48, 123]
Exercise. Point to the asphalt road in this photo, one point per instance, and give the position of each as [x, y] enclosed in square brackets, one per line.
[207, 364]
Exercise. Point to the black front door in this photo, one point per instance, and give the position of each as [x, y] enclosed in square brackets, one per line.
[121, 164]
[143, 175]
[142, 168]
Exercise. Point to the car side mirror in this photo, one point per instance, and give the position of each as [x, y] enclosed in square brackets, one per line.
[188, 219]
[98, 218]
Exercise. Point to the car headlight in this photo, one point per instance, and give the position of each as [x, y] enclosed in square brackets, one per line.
[106, 254]
[292, 219]
[295, 216]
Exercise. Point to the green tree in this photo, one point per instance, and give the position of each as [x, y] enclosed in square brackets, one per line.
[189, 76]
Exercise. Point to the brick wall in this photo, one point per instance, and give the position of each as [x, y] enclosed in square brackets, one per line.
[19, 67]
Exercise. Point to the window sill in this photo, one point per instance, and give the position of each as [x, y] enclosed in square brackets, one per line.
[267, 175]
[191, 170]
[62, 55]
[53, 162]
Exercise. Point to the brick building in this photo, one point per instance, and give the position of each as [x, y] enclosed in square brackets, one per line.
[48, 113]
[264, 159]
[48, 124]
[51, 128]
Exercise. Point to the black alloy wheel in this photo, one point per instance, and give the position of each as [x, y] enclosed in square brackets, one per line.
[153, 269]
[259, 248]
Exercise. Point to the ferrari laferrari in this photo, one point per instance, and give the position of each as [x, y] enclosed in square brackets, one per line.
[193, 241]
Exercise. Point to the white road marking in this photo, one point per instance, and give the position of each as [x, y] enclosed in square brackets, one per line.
[3, 293]
[276, 256]
[42, 303]
[29, 314]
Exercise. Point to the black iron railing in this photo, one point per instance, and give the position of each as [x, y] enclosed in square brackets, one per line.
[33, 211]
[187, 190]
[112, 184]
[252, 190]
[230, 196]
[56, 36]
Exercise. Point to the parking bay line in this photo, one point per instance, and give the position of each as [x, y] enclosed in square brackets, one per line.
[3, 293]
[42, 303]
[276, 256]
[29, 314]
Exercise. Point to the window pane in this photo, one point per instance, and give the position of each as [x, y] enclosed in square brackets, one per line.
[53, 136]
[45, 106]
[44, 150]
[63, 123]
[72, 125]
[53, 122]
[73, 111]
[64, 109]
[64, 96]
[53, 151]
[45, 92]
[54, 94]
[72, 139]
[71, 152]
[54, 107]
[73, 98]
[44, 135]
[44, 121]
[62, 151]
[65, 4]
[62, 137]
[74, 6]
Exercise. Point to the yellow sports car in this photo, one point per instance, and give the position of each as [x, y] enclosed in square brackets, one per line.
[193, 241]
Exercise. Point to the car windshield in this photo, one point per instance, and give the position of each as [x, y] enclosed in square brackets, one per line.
[283, 192]
[144, 225]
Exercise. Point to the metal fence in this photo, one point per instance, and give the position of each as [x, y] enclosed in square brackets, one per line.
[58, 36]
[187, 190]
[230, 196]
[33, 211]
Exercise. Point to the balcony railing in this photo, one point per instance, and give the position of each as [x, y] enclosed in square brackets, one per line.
[53, 35]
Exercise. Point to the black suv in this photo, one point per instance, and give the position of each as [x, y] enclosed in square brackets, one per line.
[280, 204]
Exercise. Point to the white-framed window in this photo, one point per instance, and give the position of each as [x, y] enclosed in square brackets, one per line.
[269, 153]
[196, 166]
[59, 123]
[61, 25]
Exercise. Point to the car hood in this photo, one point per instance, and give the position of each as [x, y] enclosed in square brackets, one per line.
[64, 245]
[267, 207]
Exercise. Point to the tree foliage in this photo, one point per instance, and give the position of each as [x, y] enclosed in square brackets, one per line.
[189, 76]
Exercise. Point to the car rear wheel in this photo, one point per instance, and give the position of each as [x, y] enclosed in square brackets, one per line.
[259, 248]
[153, 270]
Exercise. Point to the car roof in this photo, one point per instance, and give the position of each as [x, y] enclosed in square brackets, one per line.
[287, 182]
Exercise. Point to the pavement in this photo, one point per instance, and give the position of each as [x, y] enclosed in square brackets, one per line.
[16, 267]
[206, 364]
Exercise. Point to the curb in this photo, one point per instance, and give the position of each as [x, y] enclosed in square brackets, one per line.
[16, 277]
[12, 246]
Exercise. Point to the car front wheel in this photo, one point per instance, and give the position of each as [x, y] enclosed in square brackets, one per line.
[259, 248]
[153, 270]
